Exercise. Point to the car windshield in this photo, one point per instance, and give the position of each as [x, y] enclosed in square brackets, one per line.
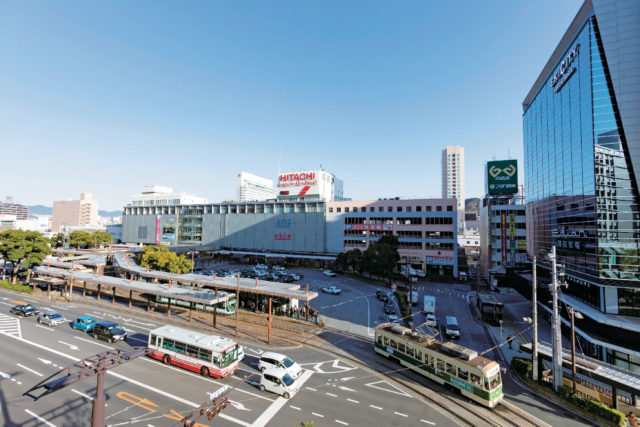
[287, 380]
[116, 330]
[453, 327]
[56, 316]
[287, 362]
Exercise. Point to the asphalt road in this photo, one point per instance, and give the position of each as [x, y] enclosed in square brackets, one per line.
[147, 393]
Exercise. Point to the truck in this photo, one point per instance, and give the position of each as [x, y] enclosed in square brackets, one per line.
[430, 310]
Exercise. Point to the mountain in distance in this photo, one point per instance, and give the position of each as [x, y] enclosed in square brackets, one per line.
[46, 210]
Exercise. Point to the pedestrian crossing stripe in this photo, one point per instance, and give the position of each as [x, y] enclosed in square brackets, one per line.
[10, 326]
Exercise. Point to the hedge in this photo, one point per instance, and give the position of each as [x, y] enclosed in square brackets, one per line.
[593, 406]
[17, 287]
[402, 302]
[524, 367]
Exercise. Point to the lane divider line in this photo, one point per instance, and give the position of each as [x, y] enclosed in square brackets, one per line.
[30, 370]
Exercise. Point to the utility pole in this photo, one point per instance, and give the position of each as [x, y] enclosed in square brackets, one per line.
[556, 335]
[534, 317]
[237, 299]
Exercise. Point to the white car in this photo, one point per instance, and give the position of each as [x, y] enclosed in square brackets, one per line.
[329, 273]
[392, 318]
[331, 290]
[431, 320]
[52, 318]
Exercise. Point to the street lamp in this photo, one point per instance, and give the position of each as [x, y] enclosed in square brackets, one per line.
[574, 313]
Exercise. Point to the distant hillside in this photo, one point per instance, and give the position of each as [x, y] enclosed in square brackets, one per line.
[46, 210]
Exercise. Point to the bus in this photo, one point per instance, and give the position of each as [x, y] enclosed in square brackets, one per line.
[226, 308]
[449, 364]
[210, 355]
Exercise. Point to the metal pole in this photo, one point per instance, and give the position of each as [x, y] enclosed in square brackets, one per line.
[555, 330]
[573, 348]
[215, 309]
[237, 298]
[97, 413]
[269, 336]
[192, 261]
[534, 317]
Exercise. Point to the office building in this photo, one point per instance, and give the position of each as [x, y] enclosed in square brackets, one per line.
[8, 207]
[70, 213]
[156, 195]
[453, 179]
[254, 188]
[581, 128]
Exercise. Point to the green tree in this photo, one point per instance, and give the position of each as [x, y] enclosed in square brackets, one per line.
[80, 239]
[100, 238]
[158, 257]
[23, 249]
[354, 259]
[342, 261]
[57, 240]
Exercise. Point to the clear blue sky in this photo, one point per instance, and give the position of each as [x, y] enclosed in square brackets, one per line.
[105, 97]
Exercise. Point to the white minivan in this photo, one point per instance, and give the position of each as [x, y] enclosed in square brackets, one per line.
[277, 360]
[452, 328]
[278, 380]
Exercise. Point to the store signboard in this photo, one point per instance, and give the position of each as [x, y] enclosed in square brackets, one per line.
[502, 176]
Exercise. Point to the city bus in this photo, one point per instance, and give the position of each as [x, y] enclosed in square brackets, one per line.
[476, 377]
[210, 355]
[226, 308]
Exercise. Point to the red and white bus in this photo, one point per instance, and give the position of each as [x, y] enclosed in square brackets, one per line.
[210, 355]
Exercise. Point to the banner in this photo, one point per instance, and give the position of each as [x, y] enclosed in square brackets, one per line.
[502, 177]
[381, 227]
[503, 237]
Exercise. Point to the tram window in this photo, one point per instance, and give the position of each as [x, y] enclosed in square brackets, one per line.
[386, 341]
[419, 355]
[393, 345]
[440, 364]
[430, 361]
[409, 350]
[401, 347]
[476, 380]
[462, 374]
[451, 369]
[380, 339]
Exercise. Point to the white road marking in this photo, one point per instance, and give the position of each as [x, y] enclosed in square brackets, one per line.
[295, 407]
[45, 361]
[396, 391]
[86, 396]
[376, 407]
[135, 382]
[354, 401]
[45, 327]
[317, 415]
[272, 410]
[239, 406]
[331, 394]
[93, 342]
[142, 323]
[71, 346]
[312, 389]
[39, 418]
[401, 414]
[346, 388]
[30, 370]
[137, 339]
[137, 326]
[428, 422]
[342, 422]
[3, 375]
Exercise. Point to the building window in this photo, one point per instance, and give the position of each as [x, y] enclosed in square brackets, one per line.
[338, 209]
[408, 209]
[380, 209]
[418, 208]
[428, 208]
[399, 209]
[439, 208]
[449, 208]
[389, 209]
[372, 209]
[330, 209]
[346, 209]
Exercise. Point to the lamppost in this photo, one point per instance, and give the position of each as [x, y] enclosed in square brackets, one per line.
[574, 313]
[192, 253]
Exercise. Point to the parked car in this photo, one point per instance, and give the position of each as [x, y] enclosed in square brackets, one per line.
[85, 323]
[389, 308]
[329, 273]
[24, 310]
[431, 320]
[276, 360]
[392, 318]
[109, 331]
[279, 381]
[331, 290]
[51, 318]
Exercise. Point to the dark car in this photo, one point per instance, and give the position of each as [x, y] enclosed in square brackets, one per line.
[389, 308]
[382, 295]
[24, 310]
[109, 331]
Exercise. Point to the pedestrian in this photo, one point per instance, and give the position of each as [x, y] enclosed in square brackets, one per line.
[509, 339]
[631, 417]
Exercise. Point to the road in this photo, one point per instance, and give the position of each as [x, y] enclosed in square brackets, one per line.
[148, 393]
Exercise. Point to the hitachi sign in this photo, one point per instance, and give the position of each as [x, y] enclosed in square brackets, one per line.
[303, 176]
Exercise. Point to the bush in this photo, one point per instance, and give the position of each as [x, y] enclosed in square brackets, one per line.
[593, 406]
[17, 287]
[524, 367]
[402, 302]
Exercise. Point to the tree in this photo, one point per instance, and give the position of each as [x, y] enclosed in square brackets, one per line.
[342, 261]
[57, 240]
[24, 249]
[354, 259]
[80, 239]
[158, 257]
[100, 238]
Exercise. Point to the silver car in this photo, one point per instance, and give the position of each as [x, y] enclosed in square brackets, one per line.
[51, 318]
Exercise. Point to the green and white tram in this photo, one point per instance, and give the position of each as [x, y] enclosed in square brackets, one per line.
[476, 377]
[227, 307]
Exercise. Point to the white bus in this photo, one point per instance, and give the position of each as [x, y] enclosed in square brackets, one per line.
[208, 354]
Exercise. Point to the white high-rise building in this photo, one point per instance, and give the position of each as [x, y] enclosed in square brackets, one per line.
[70, 213]
[453, 178]
[254, 188]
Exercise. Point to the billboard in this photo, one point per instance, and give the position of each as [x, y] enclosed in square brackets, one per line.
[502, 176]
[299, 183]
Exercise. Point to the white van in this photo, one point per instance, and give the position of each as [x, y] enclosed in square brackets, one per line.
[278, 380]
[452, 329]
[276, 360]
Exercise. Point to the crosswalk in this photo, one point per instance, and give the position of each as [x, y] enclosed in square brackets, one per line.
[10, 325]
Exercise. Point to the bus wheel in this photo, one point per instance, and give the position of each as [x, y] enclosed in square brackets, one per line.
[166, 359]
[204, 371]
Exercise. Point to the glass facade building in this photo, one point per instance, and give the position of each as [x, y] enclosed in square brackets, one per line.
[581, 129]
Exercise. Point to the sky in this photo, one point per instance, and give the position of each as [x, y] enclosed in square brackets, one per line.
[107, 97]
